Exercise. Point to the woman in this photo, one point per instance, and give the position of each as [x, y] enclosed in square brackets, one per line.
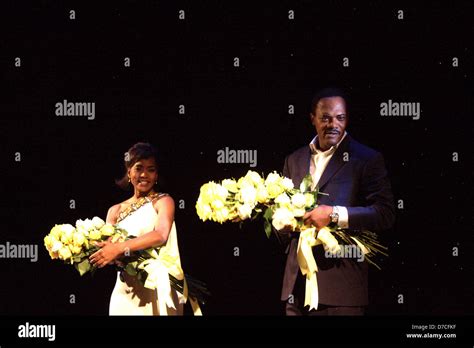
[149, 216]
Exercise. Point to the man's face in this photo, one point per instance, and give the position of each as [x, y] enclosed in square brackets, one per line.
[330, 120]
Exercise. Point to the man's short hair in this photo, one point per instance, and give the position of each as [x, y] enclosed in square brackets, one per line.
[329, 92]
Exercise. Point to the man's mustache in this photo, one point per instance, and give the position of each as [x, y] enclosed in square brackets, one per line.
[332, 131]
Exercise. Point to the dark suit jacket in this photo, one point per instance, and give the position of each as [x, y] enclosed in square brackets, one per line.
[361, 185]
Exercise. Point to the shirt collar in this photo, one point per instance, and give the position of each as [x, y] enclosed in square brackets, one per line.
[315, 150]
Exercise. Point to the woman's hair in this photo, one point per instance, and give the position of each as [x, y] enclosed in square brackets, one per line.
[136, 153]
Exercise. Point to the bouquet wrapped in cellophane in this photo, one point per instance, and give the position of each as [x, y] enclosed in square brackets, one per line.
[282, 206]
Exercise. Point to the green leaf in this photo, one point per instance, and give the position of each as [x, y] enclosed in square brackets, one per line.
[78, 258]
[83, 267]
[131, 268]
[267, 217]
[307, 182]
[268, 228]
[268, 214]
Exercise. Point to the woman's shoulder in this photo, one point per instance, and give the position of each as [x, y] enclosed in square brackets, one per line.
[113, 213]
[119, 207]
[162, 199]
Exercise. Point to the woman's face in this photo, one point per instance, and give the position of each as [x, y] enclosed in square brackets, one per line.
[143, 175]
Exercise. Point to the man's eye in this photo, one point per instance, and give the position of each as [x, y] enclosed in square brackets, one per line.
[341, 118]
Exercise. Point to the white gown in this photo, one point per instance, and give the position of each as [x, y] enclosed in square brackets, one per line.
[130, 297]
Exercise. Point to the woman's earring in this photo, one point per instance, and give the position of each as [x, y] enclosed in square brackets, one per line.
[128, 179]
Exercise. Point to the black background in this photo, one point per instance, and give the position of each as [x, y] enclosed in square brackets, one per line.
[190, 62]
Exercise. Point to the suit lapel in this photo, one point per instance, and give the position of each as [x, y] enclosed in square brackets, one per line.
[303, 169]
[335, 163]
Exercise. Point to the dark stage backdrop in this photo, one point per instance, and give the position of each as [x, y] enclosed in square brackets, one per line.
[244, 74]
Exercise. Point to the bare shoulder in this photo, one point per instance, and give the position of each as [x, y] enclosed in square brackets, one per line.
[113, 212]
[163, 201]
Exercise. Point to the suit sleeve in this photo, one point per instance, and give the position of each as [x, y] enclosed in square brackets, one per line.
[378, 211]
[286, 168]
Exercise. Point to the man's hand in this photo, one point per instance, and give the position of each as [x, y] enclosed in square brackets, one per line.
[319, 216]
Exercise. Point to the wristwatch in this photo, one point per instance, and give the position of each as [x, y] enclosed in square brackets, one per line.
[334, 216]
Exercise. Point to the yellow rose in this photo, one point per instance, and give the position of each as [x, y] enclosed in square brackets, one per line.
[282, 217]
[221, 192]
[211, 191]
[254, 177]
[244, 211]
[309, 197]
[204, 211]
[298, 212]
[248, 195]
[107, 230]
[298, 200]
[283, 199]
[67, 228]
[287, 184]
[56, 232]
[244, 182]
[65, 253]
[230, 185]
[262, 194]
[221, 215]
[272, 178]
[217, 204]
[66, 238]
[274, 190]
[94, 234]
[206, 189]
[76, 250]
[53, 255]
[78, 239]
[67, 232]
[57, 245]
[48, 242]
[87, 224]
[83, 231]
[98, 222]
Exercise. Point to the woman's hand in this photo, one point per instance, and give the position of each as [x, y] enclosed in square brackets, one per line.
[108, 253]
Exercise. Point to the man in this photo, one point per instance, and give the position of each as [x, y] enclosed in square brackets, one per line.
[359, 198]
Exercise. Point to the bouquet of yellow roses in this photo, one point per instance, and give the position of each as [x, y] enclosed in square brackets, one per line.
[282, 206]
[74, 245]
[251, 195]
